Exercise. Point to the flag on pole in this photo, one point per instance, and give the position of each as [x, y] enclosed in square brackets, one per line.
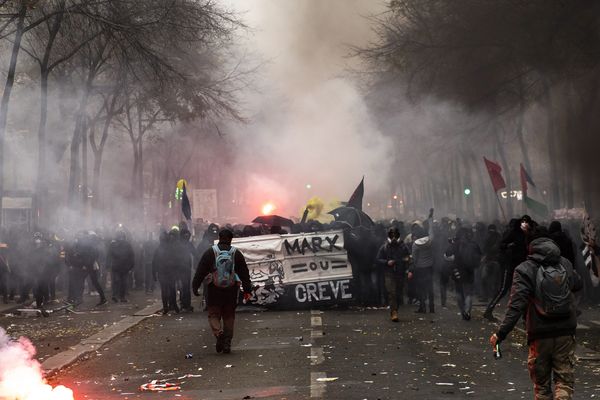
[495, 171]
[540, 209]
[356, 199]
[186, 208]
[525, 179]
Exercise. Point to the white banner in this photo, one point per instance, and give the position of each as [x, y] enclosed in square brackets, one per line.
[276, 261]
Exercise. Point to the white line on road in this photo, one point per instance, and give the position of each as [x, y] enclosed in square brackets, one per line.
[317, 389]
[316, 312]
[582, 326]
[316, 321]
[316, 333]
[316, 356]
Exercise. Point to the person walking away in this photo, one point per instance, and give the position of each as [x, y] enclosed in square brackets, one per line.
[467, 257]
[490, 264]
[542, 289]
[226, 267]
[163, 270]
[514, 245]
[121, 261]
[423, 260]
[392, 257]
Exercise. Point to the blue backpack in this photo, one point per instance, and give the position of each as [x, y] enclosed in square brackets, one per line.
[224, 275]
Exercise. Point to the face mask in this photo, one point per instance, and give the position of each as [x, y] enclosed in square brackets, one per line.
[524, 226]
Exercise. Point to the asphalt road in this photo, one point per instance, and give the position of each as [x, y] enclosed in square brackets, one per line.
[334, 354]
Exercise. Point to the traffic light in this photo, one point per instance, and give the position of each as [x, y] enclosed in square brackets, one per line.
[467, 191]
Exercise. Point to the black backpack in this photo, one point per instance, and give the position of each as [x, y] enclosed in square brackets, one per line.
[553, 298]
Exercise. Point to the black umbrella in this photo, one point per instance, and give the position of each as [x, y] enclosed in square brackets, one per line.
[273, 220]
[352, 216]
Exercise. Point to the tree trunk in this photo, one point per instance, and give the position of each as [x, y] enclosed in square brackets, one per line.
[41, 188]
[10, 80]
[75, 167]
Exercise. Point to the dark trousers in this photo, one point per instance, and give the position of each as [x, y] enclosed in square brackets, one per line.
[507, 277]
[120, 280]
[424, 282]
[552, 359]
[167, 293]
[95, 280]
[394, 286]
[41, 292]
[76, 285]
[226, 314]
[184, 281]
[464, 296]
[444, 282]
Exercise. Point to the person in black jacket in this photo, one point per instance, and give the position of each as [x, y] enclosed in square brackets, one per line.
[514, 246]
[121, 261]
[222, 301]
[551, 339]
[163, 270]
[562, 240]
[393, 257]
[81, 259]
[184, 269]
[467, 257]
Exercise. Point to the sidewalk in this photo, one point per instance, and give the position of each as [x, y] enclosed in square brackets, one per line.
[66, 330]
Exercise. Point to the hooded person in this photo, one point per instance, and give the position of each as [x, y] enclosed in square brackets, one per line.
[392, 257]
[82, 259]
[121, 261]
[423, 260]
[542, 290]
[184, 258]
[226, 268]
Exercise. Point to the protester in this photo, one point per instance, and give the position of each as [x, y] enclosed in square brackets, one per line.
[490, 264]
[466, 256]
[184, 255]
[227, 268]
[81, 258]
[514, 245]
[542, 291]
[4, 272]
[148, 250]
[121, 260]
[163, 270]
[423, 260]
[392, 258]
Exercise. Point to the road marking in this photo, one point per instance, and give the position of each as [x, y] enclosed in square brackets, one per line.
[317, 389]
[582, 326]
[314, 333]
[316, 321]
[316, 355]
[316, 312]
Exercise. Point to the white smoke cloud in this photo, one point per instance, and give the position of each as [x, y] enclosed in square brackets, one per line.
[21, 375]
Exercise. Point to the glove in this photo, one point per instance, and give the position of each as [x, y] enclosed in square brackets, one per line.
[247, 296]
[195, 290]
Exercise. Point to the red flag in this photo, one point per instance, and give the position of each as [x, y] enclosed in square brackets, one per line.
[495, 171]
[525, 178]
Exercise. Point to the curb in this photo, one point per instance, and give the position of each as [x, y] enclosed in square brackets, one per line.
[62, 360]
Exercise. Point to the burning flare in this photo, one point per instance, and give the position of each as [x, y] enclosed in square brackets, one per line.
[21, 375]
[268, 209]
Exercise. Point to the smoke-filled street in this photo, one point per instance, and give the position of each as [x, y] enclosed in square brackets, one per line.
[299, 199]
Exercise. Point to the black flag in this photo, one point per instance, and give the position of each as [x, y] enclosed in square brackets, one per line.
[356, 199]
[186, 208]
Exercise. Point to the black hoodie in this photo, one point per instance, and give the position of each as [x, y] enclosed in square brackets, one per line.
[542, 251]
